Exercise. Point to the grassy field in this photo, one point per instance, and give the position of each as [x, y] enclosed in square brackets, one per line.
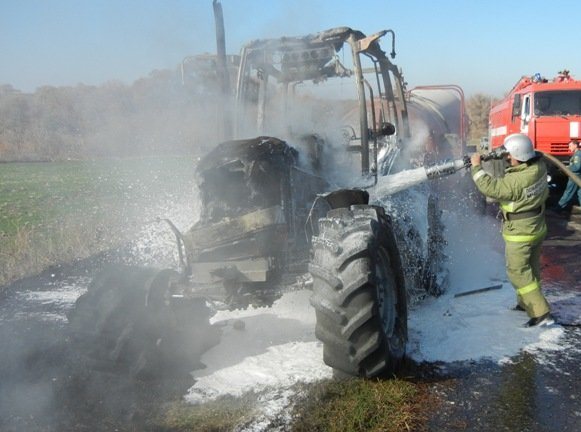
[57, 212]
[354, 405]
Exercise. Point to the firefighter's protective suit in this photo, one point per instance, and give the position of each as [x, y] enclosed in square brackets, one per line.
[522, 193]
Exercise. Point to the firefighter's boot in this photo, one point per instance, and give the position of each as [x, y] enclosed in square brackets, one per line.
[543, 319]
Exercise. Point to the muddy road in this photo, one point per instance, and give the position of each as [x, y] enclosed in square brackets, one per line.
[47, 385]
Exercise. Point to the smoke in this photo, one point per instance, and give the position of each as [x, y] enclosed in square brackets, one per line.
[104, 203]
[46, 384]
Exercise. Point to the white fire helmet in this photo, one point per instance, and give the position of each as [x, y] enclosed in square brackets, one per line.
[520, 147]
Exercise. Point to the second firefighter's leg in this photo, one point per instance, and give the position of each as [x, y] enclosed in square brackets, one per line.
[568, 195]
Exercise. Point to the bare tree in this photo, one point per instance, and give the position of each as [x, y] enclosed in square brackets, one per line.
[478, 107]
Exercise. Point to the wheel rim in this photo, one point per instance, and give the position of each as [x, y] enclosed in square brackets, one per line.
[388, 297]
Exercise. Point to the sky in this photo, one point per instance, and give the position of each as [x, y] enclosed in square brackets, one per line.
[483, 46]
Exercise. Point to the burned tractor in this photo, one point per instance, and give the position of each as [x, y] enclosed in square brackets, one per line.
[271, 207]
[251, 233]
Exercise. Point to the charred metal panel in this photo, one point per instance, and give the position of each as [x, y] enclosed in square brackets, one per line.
[245, 151]
[271, 241]
[230, 229]
[344, 198]
[240, 176]
[250, 270]
[292, 59]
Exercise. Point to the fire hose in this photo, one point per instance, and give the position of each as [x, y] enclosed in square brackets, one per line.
[499, 154]
[574, 177]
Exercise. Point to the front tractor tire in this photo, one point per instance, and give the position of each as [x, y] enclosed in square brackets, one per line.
[125, 323]
[358, 292]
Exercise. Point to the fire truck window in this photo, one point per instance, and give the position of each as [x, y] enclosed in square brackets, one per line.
[516, 105]
[558, 103]
[526, 111]
[541, 105]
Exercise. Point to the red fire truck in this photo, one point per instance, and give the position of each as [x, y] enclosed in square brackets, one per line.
[549, 112]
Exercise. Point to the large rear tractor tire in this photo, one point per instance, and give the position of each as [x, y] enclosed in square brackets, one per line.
[127, 322]
[358, 292]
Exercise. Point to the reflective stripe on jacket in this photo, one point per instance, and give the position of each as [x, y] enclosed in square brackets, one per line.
[523, 188]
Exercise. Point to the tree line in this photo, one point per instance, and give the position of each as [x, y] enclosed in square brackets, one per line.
[478, 107]
[162, 113]
[157, 114]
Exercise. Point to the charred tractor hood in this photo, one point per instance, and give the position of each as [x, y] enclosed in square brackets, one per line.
[240, 176]
[245, 152]
[245, 188]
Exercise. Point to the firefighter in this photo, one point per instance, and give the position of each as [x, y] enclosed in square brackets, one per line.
[572, 188]
[522, 193]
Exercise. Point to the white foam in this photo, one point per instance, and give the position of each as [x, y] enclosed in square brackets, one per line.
[281, 366]
[391, 184]
[65, 293]
[278, 348]
[481, 325]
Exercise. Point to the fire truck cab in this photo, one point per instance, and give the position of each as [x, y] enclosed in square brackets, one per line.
[549, 112]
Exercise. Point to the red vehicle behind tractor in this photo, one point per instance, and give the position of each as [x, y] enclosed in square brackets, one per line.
[548, 111]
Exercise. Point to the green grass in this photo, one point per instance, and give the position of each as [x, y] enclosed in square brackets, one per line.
[55, 212]
[222, 415]
[363, 406]
[354, 405]
[37, 193]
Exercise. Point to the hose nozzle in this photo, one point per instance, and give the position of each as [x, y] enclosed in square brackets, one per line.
[445, 168]
[497, 153]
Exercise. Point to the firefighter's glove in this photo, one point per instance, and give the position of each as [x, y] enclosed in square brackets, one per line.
[475, 159]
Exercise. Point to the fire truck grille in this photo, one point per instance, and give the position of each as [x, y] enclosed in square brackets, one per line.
[559, 148]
